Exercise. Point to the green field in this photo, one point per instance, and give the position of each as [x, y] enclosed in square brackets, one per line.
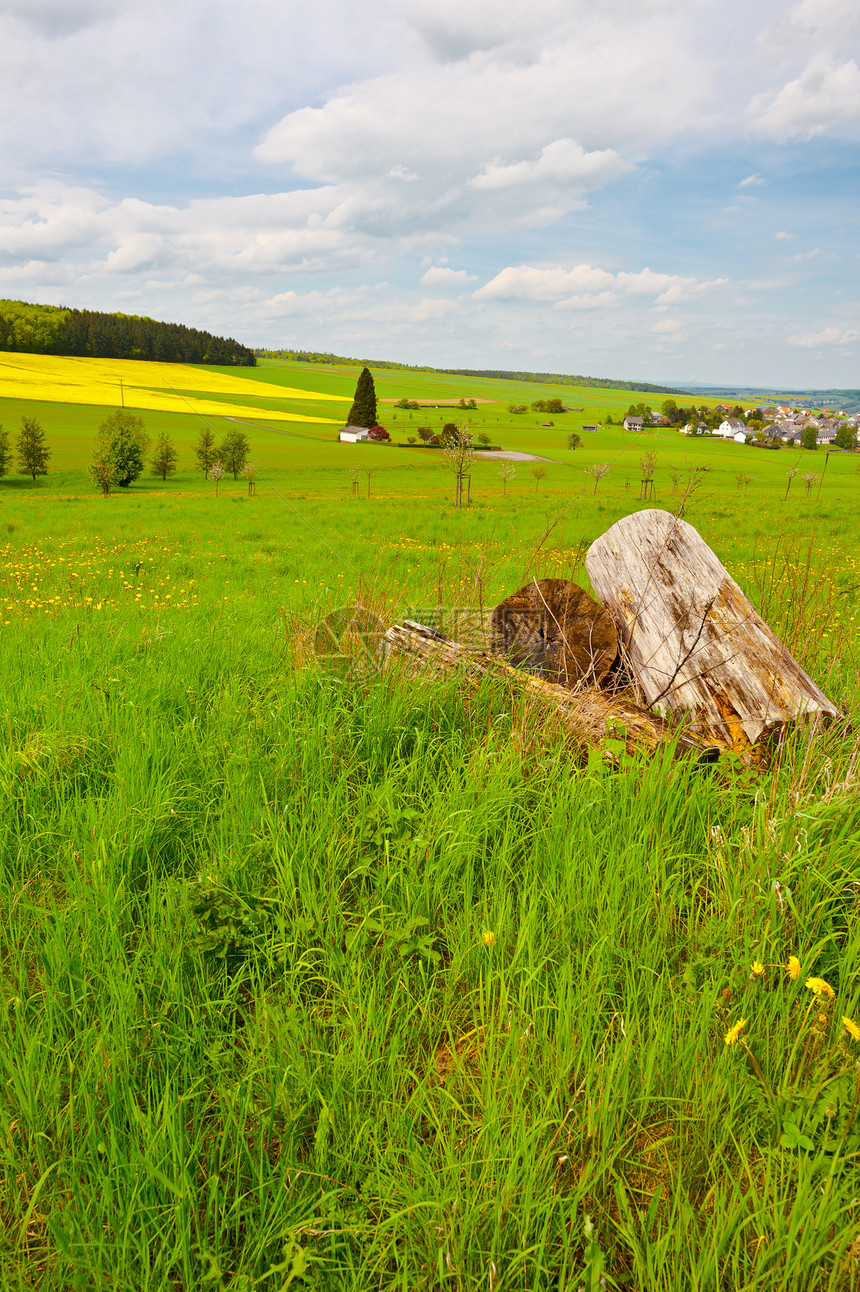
[311, 982]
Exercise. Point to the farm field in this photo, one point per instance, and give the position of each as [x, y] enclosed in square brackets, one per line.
[353, 983]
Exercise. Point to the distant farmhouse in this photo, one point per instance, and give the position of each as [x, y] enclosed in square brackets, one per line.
[633, 423]
[352, 434]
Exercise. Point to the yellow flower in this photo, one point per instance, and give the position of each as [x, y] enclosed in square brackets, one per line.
[821, 988]
[793, 968]
[734, 1031]
[851, 1028]
[489, 938]
[757, 969]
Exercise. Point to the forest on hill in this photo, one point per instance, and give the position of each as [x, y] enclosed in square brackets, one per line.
[48, 329]
[544, 378]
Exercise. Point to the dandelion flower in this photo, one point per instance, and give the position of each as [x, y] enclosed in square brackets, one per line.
[821, 988]
[793, 968]
[489, 938]
[851, 1028]
[733, 1034]
[757, 969]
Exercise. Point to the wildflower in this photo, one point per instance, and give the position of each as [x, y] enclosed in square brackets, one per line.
[821, 988]
[757, 969]
[733, 1034]
[851, 1028]
[793, 968]
[489, 938]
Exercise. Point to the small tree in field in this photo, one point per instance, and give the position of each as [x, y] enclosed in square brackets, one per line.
[205, 450]
[538, 473]
[574, 441]
[460, 454]
[809, 480]
[216, 473]
[33, 452]
[102, 473]
[5, 452]
[744, 480]
[791, 473]
[597, 472]
[122, 441]
[235, 448]
[249, 471]
[507, 471]
[165, 459]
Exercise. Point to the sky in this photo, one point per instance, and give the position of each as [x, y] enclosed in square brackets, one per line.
[662, 190]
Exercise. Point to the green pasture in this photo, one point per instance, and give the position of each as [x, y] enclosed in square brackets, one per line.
[330, 980]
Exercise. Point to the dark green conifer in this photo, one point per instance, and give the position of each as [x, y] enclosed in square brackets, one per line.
[363, 411]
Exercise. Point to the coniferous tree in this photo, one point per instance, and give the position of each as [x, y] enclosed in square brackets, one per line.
[205, 450]
[363, 411]
[235, 448]
[164, 462]
[33, 452]
[5, 452]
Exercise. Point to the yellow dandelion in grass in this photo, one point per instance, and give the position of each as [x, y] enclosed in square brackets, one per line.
[793, 968]
[733, 1034]
[757, 969]
[851, 1028]
[489, 938]
[821, 988]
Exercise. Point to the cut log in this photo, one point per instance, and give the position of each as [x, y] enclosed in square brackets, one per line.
[694, 644]
[554, 628]
[588, 715]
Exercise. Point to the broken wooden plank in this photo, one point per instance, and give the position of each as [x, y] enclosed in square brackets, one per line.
[694, 643]
[553, 628]
[590, 716]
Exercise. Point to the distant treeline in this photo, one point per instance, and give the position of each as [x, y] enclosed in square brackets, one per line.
[47, 329]
[545, 378]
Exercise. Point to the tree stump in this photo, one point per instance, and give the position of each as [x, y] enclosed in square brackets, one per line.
[694, 643]
[555, 629]
[589, 717]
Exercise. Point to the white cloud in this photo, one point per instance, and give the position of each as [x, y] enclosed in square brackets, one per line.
[587, 286]
[752, 181]
[439, 274]
[829, 336]
[563, 161]
[784, 237]
[825, 96]
[668, 326]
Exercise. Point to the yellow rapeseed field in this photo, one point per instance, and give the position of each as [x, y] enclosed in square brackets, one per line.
[161, 387]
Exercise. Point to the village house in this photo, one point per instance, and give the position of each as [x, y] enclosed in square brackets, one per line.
[730, 427]
[633, 423]
[352, 434]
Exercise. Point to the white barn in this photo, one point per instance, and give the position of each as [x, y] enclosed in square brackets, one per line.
[352, 434]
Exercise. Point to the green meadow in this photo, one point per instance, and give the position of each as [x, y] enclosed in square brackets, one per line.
[347, 982]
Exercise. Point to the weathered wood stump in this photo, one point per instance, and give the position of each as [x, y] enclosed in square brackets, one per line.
[694, 643]
[588, 715]
[554, 628]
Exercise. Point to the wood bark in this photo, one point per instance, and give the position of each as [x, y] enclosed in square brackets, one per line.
[552, 627]
[695, 645]
[589, 716]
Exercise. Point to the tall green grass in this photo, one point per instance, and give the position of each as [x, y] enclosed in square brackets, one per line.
[257, 1033]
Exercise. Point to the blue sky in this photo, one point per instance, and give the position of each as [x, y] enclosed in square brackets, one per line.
[649, 189]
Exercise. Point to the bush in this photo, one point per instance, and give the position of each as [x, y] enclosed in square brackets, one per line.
[378, 433]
